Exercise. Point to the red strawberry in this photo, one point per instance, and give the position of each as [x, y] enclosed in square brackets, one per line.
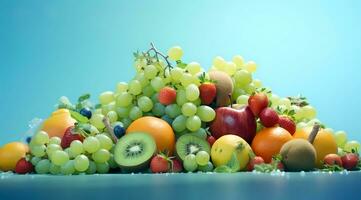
[208, 92]
[167, 95]
[255, 161]
[268, 117]
[23, 166]
[258, 102]
[211, 140]
[177, 166]
[288, 124]
[69, 136]
[160, 164]
[350, 161]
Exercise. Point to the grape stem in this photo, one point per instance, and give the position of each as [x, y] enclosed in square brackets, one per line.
[110, 129]
[157, 54]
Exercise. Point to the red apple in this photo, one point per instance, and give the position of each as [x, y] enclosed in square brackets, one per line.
[258, 102]
[236, 121]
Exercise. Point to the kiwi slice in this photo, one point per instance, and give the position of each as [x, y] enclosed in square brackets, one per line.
[191, 144]
[134, 151]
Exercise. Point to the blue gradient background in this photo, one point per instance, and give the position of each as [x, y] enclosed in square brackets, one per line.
[54, 48]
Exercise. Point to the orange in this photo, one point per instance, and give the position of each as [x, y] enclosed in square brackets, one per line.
[10, 154]
[58, 122]
[268, 142]
[159, 129]
[324, 143]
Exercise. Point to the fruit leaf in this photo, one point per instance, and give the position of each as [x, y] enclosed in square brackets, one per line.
[331, 168]
[265, 168]
[223, 169]
[78, 117]
[181, 64]
[83, 97]
[233, 163]
[98, 106]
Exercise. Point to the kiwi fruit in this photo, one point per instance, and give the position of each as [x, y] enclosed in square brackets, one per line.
[191, 144]
[299, 154]
[224, 85]
[134, 151]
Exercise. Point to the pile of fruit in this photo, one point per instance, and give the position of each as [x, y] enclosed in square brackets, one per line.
[174, 116]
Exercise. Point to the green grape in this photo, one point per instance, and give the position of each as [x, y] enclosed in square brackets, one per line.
[123, 111]
[175, 53]
[135, 87]
[206, 168]
[192, 92]
[239, 61]
[81, 163]
[301, 125]
[309, 112]
[98, 111]
[97, 121]
[34, 160]
[100, 156]
[200, 133]
[179, 123]
[257, 83]
[242, 78]
[157, 84]
[106, 97]
[275, 100]
[70, 153]
[92, 168]
[285, 101]
[117, 124]
[219, 63]
[148, 90]
[59, 157]
[186, 79]
[158, 109]
[107, 108]
[190, 163]
[250, 89]
[242, 100]
[295, 108]
[76, 147]
[122, 87]
[38, 150]
[55, 140]
[206, 113]
[173, 110]
[68, 168]
[193, 68]
[135, 113]
[189, 109]
[143, 80]
[352, 146]
[197, 102]
[105, 141]
[40, 137]
[91, 144]
[42, 167]
[341, 138]
[150, 71]
[145, 104]
[230, 68]
[176, 74]
[51, 148]
[124, 99]
[54, 169]
[250, 66]
[193, 123]
[313, 122]
[181, 97]
[102, 168]
[126, 122]
[155, 98]
[112, 116]
[202, 158]
[112, 163]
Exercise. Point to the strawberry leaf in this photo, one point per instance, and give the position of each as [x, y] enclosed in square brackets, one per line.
[223, 169]
[78, 117]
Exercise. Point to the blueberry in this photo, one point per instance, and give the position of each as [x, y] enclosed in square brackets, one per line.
[28, 139]
[86, 112]
[119, 131]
